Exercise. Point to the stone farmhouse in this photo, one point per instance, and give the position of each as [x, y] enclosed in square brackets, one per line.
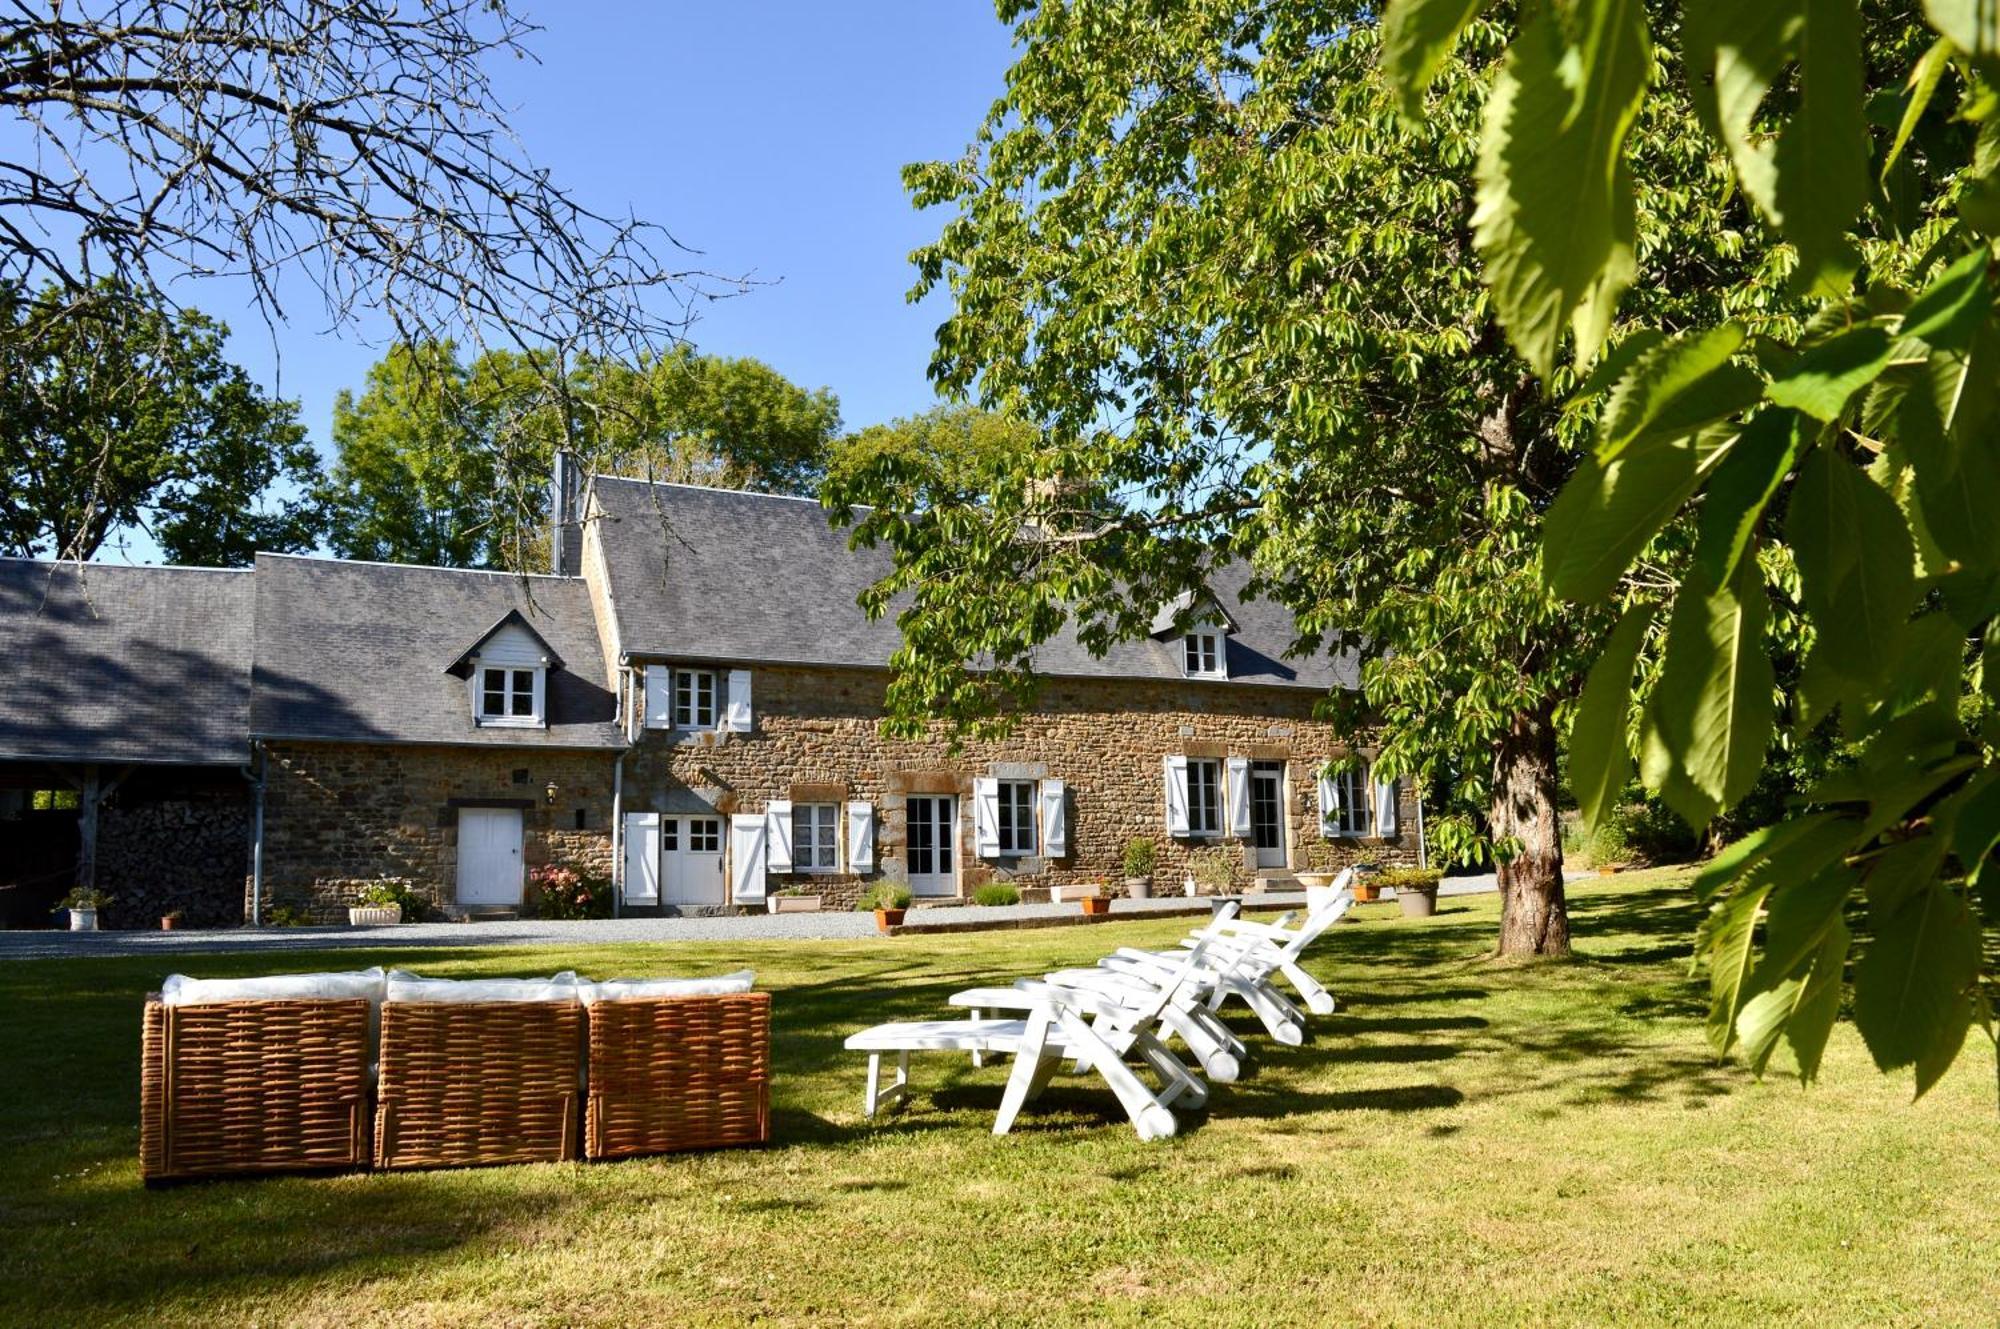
[689, 705]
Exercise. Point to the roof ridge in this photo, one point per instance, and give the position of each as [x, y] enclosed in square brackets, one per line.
[121, 567]
[412, 567]
[710, 489]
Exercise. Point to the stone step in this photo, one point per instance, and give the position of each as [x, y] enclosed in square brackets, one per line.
[482, 913]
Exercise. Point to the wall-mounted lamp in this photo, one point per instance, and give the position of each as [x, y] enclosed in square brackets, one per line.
[551, 792]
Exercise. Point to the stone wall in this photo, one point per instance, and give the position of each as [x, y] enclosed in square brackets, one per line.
[340, 816]
[816, 737]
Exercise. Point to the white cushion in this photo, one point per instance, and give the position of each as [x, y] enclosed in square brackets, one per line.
[406, 986]
[639, 989]
[180, 990]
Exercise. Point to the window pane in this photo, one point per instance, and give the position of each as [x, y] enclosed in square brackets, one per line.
[670, 832]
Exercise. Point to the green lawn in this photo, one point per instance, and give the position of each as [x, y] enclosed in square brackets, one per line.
[1465, 1143]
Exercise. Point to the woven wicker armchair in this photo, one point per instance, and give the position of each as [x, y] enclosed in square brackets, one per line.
[677, 1073]
[470, 1083]
[253, 1086]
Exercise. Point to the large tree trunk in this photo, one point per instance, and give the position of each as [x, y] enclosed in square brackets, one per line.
[1534, 917]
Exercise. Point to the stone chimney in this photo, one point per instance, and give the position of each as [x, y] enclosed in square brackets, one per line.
[565, 524]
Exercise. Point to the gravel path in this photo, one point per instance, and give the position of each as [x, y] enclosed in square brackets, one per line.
[829, 926]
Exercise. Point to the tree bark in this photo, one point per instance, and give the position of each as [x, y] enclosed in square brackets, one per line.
[1534, 916]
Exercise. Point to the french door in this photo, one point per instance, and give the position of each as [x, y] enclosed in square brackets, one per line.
[1267, 824]
[933, 844]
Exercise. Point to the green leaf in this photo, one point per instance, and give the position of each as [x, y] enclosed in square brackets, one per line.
[1976, 828]
[1912, 999]
[1941, 424]
[1727, 938]
[1739, 857]
[1417, 36]
[1743, 484]
[1953, 306]
[1824, 376]
[1923, 84]
[1710, 713]
[1972, 25]
[1795, 987]
[1856, 566]
[1897, 873]
[1675, 389]
[1600, 760]
[1608, 511]
[1555, 225]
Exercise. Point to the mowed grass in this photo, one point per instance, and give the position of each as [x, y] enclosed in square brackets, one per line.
[1465, 1143]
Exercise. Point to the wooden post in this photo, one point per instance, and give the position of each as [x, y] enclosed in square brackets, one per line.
[86, 830]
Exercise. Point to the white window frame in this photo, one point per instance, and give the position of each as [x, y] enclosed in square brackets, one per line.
[816, 837]
[537, 693]
[1353, 818]
[1016, 825]
[1204, 798]
[693, 724]
[1202, 654]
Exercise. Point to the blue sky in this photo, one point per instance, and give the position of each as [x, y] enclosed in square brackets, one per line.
[770, 136]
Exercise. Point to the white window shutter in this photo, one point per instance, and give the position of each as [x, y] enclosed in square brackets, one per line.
[736, 719]
[748, 840]
[1329, 805]
[1054, 819]
[659, 697]
[642, 857]
[1177, 796]
[1239, 795]
[986, 817]
[860, 837]
[1385, 808]
[778, 812]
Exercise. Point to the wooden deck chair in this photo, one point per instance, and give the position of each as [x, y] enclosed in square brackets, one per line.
[1094, 1032]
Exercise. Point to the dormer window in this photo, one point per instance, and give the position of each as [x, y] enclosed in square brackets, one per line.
[506, 675]
[509, 696]
[1202, 654]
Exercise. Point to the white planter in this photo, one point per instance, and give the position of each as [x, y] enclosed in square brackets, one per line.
[1139, 888]
[374, 915]
[795, 904]
[83, 920]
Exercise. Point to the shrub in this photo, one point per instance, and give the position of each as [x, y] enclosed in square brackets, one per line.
[1410, 879]
[997, 893]
[885, 895]
[84, 897]
[565, 893]
[287, 916]
[391, 891]
[1139, 857]
[1213, 867]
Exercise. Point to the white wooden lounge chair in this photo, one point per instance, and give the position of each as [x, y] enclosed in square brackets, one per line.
[1217, 1049]
[1241, 965]
[1094, 1031]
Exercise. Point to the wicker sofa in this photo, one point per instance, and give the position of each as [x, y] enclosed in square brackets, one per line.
[283, 1085]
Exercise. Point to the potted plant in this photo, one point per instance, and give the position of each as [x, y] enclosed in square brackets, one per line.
[1367, 888]
[889, 900]
[1320, 868]
[170, 920]
[1098, 902]
[1139, 860]
[378, 905]
[796, 900]
[1213, 869]
[1416, 889]
[83, 904]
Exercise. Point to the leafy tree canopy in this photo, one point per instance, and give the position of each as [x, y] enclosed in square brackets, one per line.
[1850, 459]
[1194, 246]
[447, 462]
[119, 415]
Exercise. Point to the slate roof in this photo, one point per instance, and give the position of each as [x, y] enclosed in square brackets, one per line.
[763, 579]
[119, 664]
[358, 652]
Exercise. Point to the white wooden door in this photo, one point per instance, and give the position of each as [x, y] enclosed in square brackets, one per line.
[691, 860]
[931, 845]
[489, 856]
[642, 858]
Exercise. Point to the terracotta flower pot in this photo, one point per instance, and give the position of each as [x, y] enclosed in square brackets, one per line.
[1366, 892]
[168, 923]
[889, 918]
[1096, 904]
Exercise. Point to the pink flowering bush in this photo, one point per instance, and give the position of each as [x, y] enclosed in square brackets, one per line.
[563, 892]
